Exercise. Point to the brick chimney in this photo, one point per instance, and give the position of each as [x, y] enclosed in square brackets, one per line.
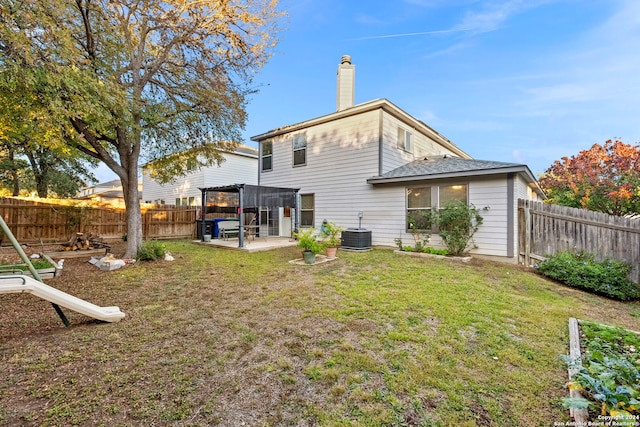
[346, 83]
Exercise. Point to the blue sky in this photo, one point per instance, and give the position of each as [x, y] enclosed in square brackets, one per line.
[519, 81]
[525, 81]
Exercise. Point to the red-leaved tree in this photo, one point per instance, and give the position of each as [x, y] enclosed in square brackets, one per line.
[604, 178]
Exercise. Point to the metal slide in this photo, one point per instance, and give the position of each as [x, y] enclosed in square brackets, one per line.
[21, 283]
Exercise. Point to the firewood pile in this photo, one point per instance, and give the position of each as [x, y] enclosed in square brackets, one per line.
[81, 242]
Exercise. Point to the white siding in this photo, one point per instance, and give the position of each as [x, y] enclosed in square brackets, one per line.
[421, 145]
[341, 156]
[236, 169]
[491, 237]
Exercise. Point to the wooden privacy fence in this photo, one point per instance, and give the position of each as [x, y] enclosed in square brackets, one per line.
[546, 229]
[33, 221]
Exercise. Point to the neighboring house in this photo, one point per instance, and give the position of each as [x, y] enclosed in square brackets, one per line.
[240, 166]
[105, 192]
[376, 161]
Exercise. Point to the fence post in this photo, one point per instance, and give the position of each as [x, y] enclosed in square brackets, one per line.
[527, 235]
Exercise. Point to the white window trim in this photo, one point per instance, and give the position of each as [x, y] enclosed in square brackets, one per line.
[404, 139]
[297, 137]
[313, 210]
[435, 199]
[262, 157]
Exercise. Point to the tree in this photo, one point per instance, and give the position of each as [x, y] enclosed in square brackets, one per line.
[11, 169]
[604, 178]
[34, 145]
[139, 78]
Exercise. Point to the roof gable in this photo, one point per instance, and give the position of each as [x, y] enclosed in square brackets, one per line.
[365, 107]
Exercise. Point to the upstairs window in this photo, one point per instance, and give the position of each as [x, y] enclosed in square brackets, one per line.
[299, 149]
[404, 140]
[192, 164]
[266, 155]
[186, 201]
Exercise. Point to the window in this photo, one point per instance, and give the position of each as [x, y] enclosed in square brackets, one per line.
[186, 201]
[404, 140]
[267, 156]
[452, 193]
[192, 164]
[418, 203]
[299, 149]
[306, 210]
[422, 199]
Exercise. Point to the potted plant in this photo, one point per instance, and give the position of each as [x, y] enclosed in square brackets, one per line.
[308, 241]
[331, 234]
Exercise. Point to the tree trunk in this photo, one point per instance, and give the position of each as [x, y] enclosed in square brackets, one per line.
[41, 187]
[133, 215]
[129, 150]
[40, 174]
[14, 174]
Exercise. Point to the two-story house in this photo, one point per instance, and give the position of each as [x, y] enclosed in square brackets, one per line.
[240, 165]
[372, 164]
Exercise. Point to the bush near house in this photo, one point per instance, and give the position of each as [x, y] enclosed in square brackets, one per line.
[580, 270]
[457, 222]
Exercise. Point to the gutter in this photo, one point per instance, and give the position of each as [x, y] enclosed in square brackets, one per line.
[461, 174]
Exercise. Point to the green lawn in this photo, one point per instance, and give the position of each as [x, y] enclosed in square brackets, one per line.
[220, 337]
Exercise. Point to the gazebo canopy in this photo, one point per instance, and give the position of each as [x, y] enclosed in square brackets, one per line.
[251, 197]
[257, 195]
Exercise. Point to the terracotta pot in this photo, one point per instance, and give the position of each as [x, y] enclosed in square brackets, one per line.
[331, 252]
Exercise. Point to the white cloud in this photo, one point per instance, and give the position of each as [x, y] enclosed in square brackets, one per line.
[419, 33]
[494, 14]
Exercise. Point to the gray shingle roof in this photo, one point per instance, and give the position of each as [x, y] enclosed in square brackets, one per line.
[448, 167]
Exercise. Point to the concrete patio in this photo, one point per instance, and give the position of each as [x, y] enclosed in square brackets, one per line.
[252, 245]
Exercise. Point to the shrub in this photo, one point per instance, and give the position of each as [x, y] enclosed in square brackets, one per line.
[434, 251]
[308, 240]
[420, 237]
[330, 233]
[398, 241]
[151, 251]
[580, 270]
[457, 222]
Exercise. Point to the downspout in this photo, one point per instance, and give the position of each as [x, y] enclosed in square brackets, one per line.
[380, 144]
[296, 223]
[203, 215]
[510, 214]
[260, 163]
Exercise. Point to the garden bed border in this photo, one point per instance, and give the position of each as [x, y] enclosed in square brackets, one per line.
[580, 416]
[426, 255]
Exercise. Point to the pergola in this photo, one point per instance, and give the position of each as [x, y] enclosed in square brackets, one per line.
[248, 198]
